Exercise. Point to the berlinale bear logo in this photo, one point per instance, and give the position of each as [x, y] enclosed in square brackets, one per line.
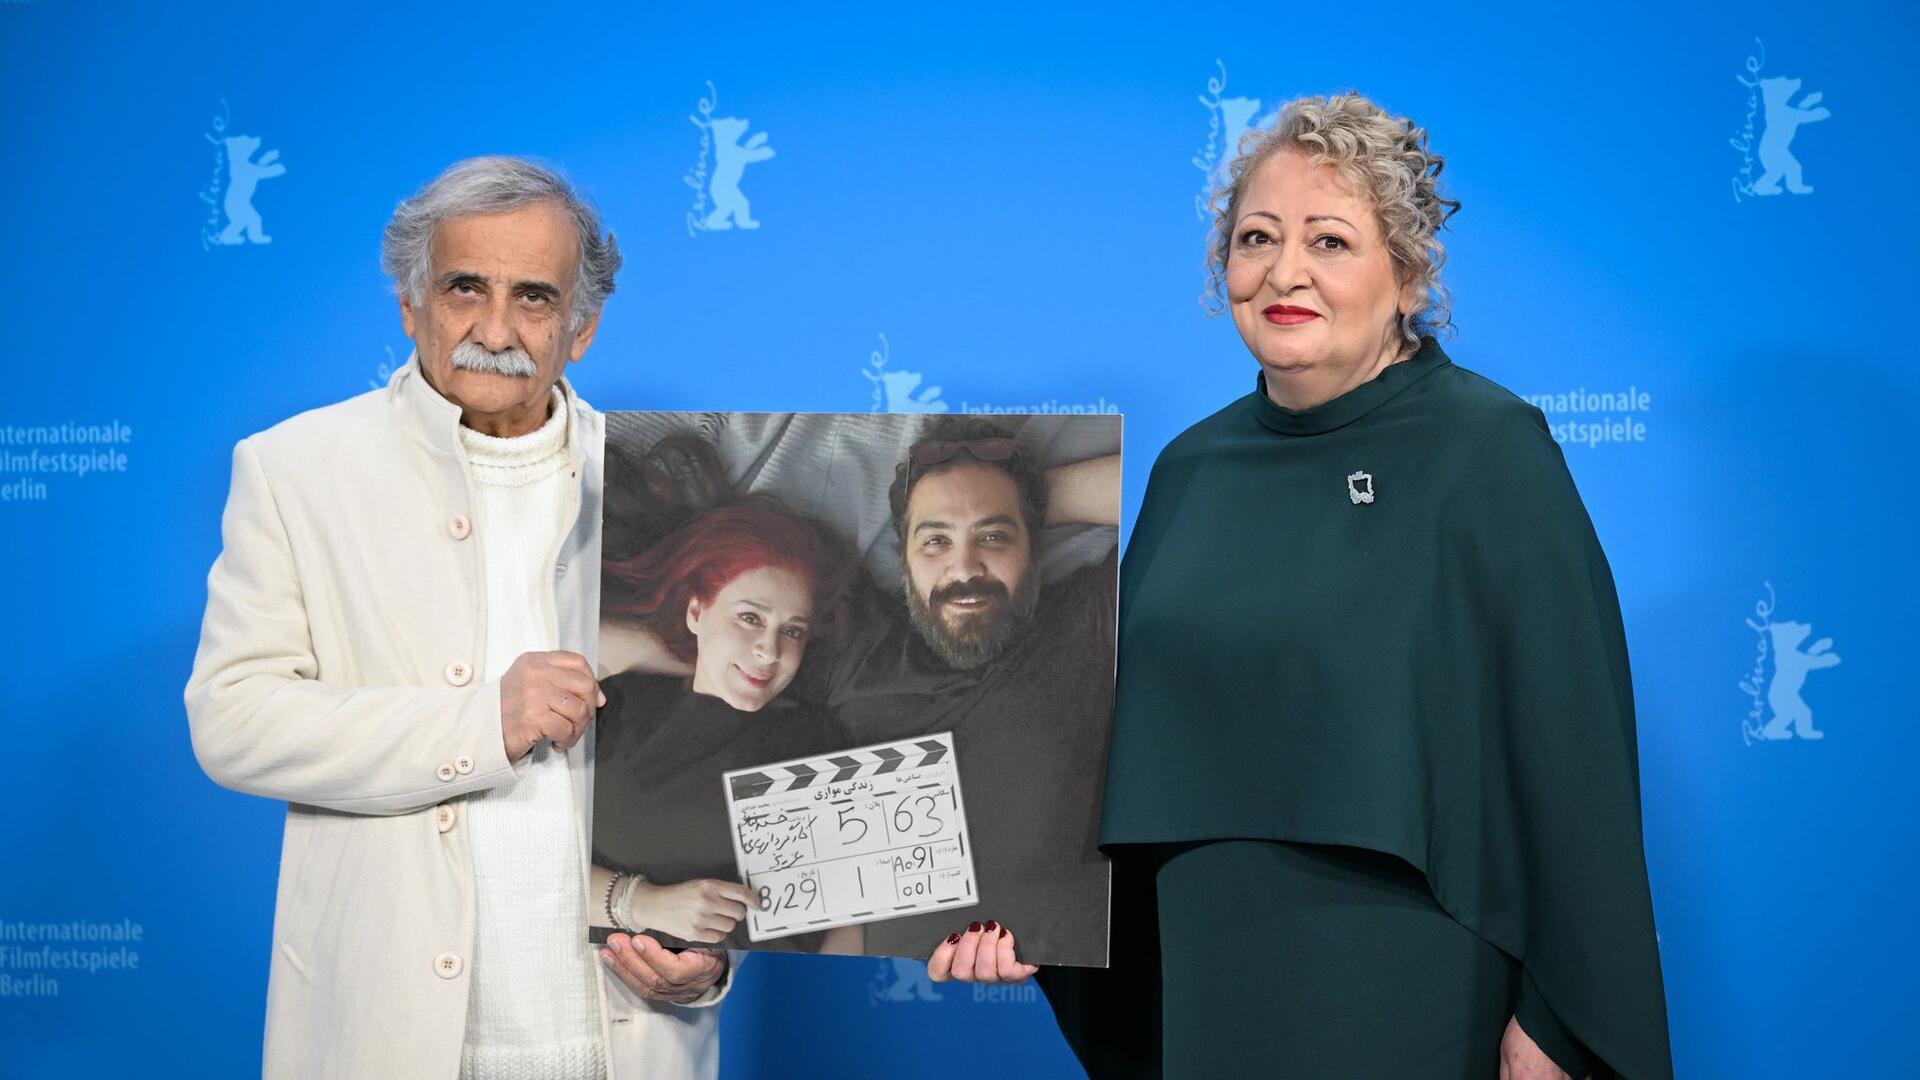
[718, 202]
[228, 193]
[1770, 101]
[1778, 710]
[1783, 120]
[899, 391]
[901, 980]
[1228, 121]
[243, 176]
[731, 158]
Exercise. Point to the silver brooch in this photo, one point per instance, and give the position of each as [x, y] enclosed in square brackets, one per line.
[1360, 488]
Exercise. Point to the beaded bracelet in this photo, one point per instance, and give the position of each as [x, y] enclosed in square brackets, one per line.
[626, 904]
[608, 901]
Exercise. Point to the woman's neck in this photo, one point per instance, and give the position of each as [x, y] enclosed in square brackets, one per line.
[1298, 391]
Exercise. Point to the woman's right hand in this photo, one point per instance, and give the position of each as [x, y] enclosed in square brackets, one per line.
[978, 954]
[703, 910]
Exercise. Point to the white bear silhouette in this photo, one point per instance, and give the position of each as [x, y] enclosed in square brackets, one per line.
[909, 982]
[1236, 116]
[1783, 120]
[243, 175]
[1791, 713]
[900, 388]
[730, 160]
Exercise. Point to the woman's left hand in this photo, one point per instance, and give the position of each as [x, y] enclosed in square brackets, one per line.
[978, 954]
[1522, 1059]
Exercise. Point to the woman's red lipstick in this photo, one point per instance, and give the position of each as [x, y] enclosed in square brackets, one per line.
[1288, 315]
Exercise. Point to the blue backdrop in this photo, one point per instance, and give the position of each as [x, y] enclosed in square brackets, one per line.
[988, 210]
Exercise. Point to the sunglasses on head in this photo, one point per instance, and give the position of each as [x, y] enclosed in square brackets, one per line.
[926, 455]
[939, 452]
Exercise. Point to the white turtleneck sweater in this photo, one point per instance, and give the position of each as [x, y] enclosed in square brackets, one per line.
[533, 1012]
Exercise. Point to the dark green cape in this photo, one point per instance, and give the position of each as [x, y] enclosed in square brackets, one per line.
[1439, 674]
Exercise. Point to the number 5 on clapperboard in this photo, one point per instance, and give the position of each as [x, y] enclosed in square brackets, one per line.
[854, 837]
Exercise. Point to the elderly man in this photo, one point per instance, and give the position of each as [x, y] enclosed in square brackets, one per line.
[398, 643]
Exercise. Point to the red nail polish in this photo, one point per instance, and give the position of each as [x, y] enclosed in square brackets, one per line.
[953, 937]
[992, 926]
[1003, 931]
[973, 928]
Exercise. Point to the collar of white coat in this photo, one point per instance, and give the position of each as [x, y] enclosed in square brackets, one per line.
[434, 422]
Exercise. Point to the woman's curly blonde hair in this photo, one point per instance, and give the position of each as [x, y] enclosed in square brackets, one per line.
[1385, 158]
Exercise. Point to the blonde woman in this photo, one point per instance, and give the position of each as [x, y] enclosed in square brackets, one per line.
[1374, 783]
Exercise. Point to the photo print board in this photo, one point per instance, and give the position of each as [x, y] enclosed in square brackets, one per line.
[859, 677]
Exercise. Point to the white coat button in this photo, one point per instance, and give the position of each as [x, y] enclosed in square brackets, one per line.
[445, 771]
[459, 674]
[463, 764]
[460, 526]
[560, 569]
[447, 965]
[444, 817]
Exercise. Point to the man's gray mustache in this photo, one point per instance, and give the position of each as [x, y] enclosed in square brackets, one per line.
[469, 356]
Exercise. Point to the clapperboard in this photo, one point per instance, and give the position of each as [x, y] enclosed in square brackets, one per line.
[853, 837]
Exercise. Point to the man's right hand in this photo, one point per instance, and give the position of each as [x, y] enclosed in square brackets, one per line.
[547, 695]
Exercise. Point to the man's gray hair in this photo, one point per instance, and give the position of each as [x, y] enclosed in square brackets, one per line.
[495, 185]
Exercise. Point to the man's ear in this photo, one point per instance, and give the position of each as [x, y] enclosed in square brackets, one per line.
[406, 315]
[583, 337]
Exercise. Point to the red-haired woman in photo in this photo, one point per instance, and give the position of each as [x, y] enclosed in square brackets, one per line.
[731, 601]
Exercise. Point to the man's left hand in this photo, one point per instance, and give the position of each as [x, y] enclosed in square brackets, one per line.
[1522, 1059]
[660, 974]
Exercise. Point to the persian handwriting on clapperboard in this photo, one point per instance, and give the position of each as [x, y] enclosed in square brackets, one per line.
[853, 837]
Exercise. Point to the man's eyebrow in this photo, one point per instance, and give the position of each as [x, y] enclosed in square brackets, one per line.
[469, 277]
[992, 519]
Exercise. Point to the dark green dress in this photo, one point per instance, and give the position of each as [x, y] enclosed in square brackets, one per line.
[1376, 644]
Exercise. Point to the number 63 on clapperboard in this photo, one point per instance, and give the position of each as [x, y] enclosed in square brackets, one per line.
[853, 837]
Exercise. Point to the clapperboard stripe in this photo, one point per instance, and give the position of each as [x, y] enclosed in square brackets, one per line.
[747, 785]
[796, 775]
